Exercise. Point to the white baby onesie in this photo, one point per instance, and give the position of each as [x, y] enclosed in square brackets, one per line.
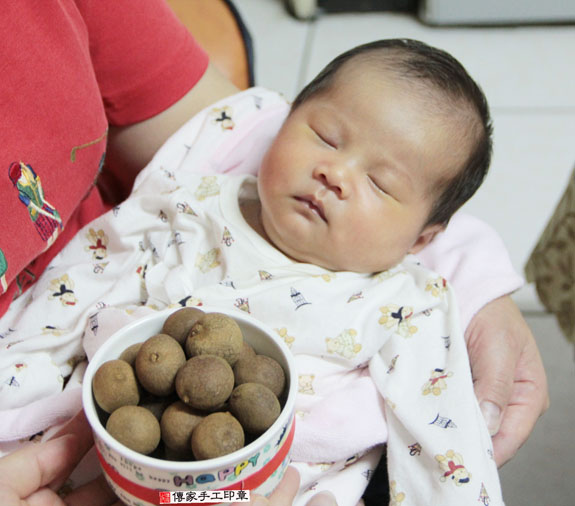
[180, 239]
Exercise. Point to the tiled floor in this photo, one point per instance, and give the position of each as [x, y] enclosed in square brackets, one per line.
[527, 74]
[543, 472]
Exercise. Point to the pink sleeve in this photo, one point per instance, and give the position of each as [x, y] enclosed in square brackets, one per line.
[473, 258]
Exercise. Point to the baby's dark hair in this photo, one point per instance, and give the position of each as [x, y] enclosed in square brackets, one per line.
[451, 88]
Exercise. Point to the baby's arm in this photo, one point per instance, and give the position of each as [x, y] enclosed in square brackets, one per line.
[508, 373]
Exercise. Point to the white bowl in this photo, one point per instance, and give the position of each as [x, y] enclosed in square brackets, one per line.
[138, 479]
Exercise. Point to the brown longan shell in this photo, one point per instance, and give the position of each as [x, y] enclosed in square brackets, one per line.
[157, 405]
[179, 323]
[157, 364]
[205, 382]
[255, 406]
[129, 354]
[115, 385]
[135, 427]
[215, 334]
[216, 435]
[260, 369]
[247, 351]
[177, 424]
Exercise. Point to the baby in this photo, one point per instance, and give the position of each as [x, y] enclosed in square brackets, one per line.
[376, 154]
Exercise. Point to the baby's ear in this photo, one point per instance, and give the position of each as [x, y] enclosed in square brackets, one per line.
[426, 237]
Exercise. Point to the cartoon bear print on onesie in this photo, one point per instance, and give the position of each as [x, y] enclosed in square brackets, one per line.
[209, 260]
[98, 244]
[398, 317]
[283, 333]
[437, 287]
[305, 384]
[208, 187]
[396, 498]
[451, 464]
[344, 344]
[223, 116]
[62, 288]
[436, 382]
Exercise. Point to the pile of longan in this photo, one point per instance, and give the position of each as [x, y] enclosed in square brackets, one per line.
[196, 390]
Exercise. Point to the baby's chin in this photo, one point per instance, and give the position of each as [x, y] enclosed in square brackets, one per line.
[318, 258]
[344, 266]
[359, 266]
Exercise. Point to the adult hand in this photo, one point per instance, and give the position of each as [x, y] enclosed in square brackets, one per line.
[285, 492]
[31, 476]
[510, 381]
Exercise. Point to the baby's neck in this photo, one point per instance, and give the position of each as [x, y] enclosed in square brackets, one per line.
[251, 211]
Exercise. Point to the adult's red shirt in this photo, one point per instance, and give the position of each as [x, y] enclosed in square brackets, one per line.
[69, 68]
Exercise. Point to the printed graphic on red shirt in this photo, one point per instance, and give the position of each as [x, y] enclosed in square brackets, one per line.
[44, 216]
[3, 269]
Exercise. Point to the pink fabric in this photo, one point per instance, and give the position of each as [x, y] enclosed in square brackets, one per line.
[473, 258]
[329, 433]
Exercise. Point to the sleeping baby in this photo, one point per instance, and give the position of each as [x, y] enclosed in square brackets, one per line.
[373, 159]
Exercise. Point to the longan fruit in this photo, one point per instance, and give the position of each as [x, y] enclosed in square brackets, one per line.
[216, 435]
[179, 323]
[135, 427]
[157, 364]
[255, 406]
[260, 369]
[215, 334]
[246, 351]
[129, 354]
[115, 385]
[205, 382]
[157, 405]
[177, 425]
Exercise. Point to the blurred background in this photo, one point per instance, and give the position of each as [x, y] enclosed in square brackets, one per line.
[522, 53]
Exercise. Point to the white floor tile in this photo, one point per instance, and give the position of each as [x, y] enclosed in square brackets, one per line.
[517, 67]
[543, 471]
[533, 159]
[279, 44]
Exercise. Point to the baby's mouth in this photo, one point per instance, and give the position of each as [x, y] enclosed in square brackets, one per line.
[315, 205]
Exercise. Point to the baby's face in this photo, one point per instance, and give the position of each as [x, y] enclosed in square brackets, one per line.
[347, 182]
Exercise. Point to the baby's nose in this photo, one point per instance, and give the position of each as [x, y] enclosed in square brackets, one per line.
[335, 177]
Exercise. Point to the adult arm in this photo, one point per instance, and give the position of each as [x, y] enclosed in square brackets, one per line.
[508, 373]
[131, 147]
[152, 75]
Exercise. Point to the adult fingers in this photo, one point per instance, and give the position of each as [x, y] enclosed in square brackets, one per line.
[287, 489]
[513, 433]
[284, 493]
[529, 400]
[96, 493]
[43, 497]
[78, 426]
[493, 365]
[35, 466]
[494, 342]
[322, 499]
[510, 381]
